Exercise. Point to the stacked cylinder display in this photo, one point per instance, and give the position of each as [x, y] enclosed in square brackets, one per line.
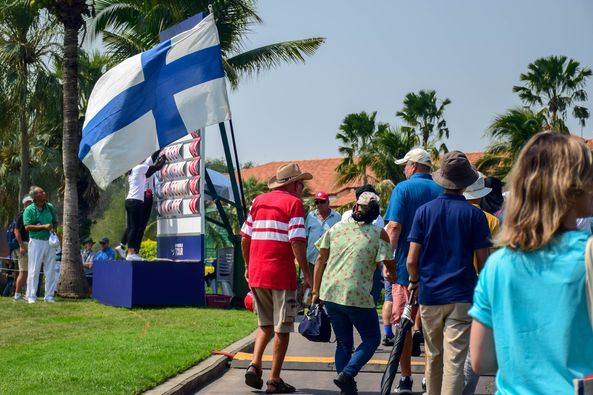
[178, 189]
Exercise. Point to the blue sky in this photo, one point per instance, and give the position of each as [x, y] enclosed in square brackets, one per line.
[469, 51]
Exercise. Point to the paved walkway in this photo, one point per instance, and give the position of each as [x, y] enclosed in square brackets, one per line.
[309, 367]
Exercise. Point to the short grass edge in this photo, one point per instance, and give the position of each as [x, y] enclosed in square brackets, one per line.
[75, 347]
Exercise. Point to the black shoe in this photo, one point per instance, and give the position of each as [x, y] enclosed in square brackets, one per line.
[346, 384]
[388, 341]
[405, 386]
[417, 338]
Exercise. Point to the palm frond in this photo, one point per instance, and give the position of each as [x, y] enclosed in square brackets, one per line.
[255, 61]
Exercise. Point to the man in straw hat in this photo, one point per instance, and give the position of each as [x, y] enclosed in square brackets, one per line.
[273, 235]
[445, 234]
[407, 196]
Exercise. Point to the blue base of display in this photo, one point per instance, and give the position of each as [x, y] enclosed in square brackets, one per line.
[180, 247]
[149, 283]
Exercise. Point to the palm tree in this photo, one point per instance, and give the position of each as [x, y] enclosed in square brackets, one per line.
[27, 45]
[509, 132]
[556, 83]
[356, 134]
[129, 27]
[390, 144]
[71, 14]
[423, 114]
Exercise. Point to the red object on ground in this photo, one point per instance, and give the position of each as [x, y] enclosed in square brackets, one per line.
[248, 301]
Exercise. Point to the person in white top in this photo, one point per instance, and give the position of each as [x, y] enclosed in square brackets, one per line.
[135, 210]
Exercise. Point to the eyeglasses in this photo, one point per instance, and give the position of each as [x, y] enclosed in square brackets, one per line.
[320, 201]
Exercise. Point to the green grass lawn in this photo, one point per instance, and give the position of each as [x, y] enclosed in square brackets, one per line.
[83, 347]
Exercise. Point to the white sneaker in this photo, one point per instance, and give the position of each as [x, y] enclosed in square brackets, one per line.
[31, 301]
[19, 297]
[120, 251]
[134, 257]
[50, 300]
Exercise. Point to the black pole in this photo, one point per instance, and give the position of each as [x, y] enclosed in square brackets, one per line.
[238, 168]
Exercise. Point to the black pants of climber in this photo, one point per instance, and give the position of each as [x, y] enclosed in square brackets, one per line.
[134, 229]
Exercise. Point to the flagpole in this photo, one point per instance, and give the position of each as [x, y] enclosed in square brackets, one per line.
[238, 168]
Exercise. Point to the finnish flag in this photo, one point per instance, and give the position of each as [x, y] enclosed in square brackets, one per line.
[153, 99]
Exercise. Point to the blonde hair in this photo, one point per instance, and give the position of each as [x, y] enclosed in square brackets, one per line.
[551, 169]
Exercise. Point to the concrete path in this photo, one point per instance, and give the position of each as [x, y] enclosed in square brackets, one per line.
[309, 367]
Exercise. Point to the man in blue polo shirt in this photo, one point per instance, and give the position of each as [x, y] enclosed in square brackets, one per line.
[444, 237]
[419, 188]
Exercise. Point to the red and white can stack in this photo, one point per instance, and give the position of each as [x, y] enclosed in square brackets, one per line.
[173, 153]
[194, 148]
[169, 208]
[194, 204]
[194, 167]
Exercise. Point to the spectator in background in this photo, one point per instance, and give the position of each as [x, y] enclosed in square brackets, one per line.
[40, 218]
[406, 198]
[87, 257]
[493, 202]
[445, 235]
[106, 253]
[475, 194]
[318, 222]
[273, 235]
[22, 237]
[531, 323]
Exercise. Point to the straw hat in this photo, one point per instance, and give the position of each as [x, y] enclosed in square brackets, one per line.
[456, 172]
[287, 174]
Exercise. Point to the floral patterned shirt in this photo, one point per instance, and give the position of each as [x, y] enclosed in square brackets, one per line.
[354, 251]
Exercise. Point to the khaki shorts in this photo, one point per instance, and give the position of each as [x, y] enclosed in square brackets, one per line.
[275, 307]
[24, 259]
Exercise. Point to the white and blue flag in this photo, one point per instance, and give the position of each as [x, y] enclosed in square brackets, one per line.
[153, 99]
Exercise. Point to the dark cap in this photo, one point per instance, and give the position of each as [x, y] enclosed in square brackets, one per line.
[104, 240]
[87, 240]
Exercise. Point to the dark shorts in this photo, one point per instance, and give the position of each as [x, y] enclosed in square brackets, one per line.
[388, 290]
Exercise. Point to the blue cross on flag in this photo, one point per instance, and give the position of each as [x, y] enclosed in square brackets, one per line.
[153, 99]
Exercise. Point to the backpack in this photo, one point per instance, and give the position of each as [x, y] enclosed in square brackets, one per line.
[13, 244]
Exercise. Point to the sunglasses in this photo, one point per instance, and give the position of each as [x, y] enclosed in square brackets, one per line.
[320, 201]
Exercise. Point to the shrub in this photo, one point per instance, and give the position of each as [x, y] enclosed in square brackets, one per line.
[148, 249]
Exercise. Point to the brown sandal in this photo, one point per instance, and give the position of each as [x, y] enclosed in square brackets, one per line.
[279, 387]
[253, 377]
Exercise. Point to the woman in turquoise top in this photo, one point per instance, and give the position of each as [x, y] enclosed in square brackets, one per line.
[352, 250]
[530, 310]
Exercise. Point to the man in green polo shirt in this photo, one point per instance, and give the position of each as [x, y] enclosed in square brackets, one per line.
[40, 218]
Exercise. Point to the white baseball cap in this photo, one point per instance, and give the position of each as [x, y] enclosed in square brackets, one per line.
[27, 199]
[417, 155]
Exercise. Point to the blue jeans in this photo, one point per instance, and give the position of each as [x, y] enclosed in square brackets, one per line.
[365, 320]
[377, 284]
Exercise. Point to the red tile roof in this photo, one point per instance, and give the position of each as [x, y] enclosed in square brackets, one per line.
[323, 171]
[342, 200]
[473, 157]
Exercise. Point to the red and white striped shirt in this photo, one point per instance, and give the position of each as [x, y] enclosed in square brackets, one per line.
[275, 220]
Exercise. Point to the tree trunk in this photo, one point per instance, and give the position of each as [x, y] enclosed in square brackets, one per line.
[72, 281]
[25, 155]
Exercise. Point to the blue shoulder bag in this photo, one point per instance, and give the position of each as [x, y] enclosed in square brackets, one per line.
[315, 326]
